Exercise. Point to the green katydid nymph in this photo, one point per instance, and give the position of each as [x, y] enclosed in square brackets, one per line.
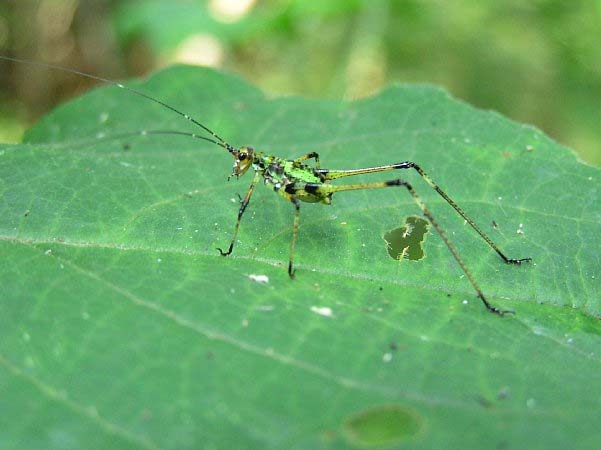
[297, 181]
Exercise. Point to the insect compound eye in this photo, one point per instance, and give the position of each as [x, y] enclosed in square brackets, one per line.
[242, 156]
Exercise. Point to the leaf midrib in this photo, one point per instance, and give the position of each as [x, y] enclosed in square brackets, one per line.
[270, 262]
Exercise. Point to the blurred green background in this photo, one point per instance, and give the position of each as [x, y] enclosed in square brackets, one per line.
[535, 61]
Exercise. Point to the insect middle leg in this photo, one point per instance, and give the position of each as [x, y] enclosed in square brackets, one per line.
[334, 174]
[243, 205]
[296, 203]
[328, 189]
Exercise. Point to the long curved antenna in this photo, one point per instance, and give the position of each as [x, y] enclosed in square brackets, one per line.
[113, 137]
[155, 132]
[122, 86]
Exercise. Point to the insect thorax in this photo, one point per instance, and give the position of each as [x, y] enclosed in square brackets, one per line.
[288, 178]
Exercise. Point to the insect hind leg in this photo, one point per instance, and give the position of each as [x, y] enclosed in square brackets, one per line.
[328, 188]
[335, 174]
[433, 185]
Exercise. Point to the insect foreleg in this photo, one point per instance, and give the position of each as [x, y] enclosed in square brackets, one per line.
[313, 155]
[243, 205]
[333, 174]
[328, 188]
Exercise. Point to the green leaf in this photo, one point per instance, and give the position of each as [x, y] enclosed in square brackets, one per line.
[122, 327]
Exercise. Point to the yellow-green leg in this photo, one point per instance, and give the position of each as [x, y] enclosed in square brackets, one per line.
[330, 189]
[296, 203]
[334, 174]
[243, 205]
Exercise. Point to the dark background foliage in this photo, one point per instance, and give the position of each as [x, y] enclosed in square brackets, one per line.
[535, 61]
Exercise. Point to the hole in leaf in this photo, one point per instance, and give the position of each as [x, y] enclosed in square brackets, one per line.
[406, 242]
[383, 426]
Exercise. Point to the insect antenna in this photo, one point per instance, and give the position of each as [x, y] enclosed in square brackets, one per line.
[159, 132]
[113, 137]
[221, 143]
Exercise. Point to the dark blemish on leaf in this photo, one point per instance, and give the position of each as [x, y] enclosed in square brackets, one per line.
[406, 242]
[503, 393]
[126, 147]
[26, 213]
[393, 346]
[484, 402]
[494, 225]
[384, 425]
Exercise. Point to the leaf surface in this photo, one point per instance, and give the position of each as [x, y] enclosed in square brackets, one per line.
[121, 326]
